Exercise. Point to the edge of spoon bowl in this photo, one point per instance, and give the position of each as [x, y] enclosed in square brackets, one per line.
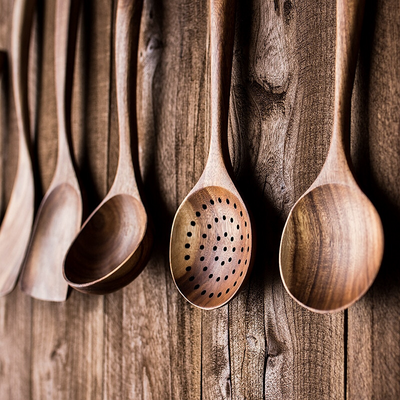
[352, 186]
[197, 188]
[119, 277]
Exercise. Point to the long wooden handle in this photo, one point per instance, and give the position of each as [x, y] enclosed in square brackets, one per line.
[67, 12]
[348, 28]
[21, 28]
[349, 16]
[126, 47]
[222, 29]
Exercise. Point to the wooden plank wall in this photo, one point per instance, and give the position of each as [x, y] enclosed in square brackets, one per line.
[145, 341]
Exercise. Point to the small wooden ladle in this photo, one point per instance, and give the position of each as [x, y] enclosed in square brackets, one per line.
[17, 222]
[59, 216]
[114, 243]
[211, 238]
[332, 244]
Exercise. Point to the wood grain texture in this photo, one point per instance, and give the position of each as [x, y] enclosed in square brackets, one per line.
[67, 338]
[373, 328]
[146, 341]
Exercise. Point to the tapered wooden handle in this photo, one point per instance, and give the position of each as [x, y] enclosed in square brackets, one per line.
[22, 23]
[126, 47]
[349, 16]
[348, 28]
[222, 28]
[64, 58]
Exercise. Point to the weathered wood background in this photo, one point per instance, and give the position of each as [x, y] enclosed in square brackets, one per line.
[145, 341]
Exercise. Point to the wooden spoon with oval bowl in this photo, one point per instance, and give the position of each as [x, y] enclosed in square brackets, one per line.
[332, 244]
[113, 245]
[211, 238]
[17, 222]
[59, 216]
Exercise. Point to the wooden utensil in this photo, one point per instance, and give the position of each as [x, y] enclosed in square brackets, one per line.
[59, 216]
[113, 245]
[211, 238]
[17, 222]
[332, 244]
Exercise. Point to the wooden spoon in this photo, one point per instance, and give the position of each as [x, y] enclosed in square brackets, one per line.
[332, 244]
[114, 243]
[59, 216]
[17, 222]
[211, 238]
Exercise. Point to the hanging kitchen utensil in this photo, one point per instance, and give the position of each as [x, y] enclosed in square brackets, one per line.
[114, 243]
[59, 216]
[332, 244]
[211, 239]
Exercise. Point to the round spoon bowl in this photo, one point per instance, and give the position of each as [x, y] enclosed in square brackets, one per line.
[211, 247]
[331, 248]
[109, 250]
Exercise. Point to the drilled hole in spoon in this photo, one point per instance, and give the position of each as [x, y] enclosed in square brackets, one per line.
[214, 243]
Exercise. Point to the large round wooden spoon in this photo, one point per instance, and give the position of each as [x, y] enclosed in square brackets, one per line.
[113, 244]
[59, 216]
[17, 222]
[211, 238]
[332, 243]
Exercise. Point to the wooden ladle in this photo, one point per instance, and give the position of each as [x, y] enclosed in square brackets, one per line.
[17, 222]
[332, 244]
[114, 243]
[211, 238]
[59, 216]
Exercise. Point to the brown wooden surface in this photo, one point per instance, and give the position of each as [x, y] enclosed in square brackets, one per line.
[145, 341]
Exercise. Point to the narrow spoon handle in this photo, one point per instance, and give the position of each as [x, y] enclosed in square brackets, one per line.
[22, 23]
[222, 29]
[349, 16]
[126, 46]
[64, 54]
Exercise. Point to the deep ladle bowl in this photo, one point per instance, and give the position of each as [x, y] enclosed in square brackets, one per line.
[111, 248]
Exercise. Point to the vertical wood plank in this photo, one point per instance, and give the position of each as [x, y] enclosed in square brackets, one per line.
[282, 106]
[373, 327]
[171, 103]
[68, 338]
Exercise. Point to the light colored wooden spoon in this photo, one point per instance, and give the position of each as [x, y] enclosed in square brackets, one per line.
[114, 243]
[59, 216]
[332, 244]
[211, 238]
[17, 222]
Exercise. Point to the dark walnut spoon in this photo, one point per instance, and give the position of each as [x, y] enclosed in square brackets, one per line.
[16, 226]
[332, 244]
[114, 243]
[211, 238]
[59, 216]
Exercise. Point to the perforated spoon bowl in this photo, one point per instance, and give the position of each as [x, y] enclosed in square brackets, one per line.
[114, 243]
[332, 244]
[211, 238]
